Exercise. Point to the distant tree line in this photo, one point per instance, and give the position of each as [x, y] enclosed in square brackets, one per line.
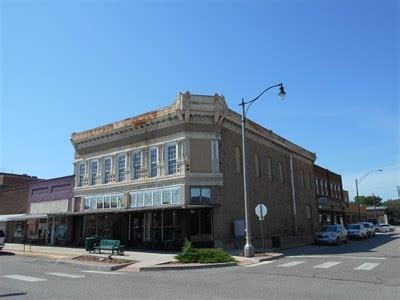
[392, 205]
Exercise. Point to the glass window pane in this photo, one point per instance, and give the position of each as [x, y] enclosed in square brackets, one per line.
[148, 198]
[120, 203]
[93, 203]
[140, 199]
[157, 198]
[107, 202]
[195, 195]
[86, 203]
[205, 195]
[176, 196]
[114, 202]
[167, 197]
[100, 202]
[133, 200]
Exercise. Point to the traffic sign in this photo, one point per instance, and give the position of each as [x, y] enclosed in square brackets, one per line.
[261, 211]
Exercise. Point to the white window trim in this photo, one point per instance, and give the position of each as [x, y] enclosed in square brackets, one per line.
[117, 166]
[104, 168]
[133, 163]
[149, 162]
[91, 171]
[166, 162]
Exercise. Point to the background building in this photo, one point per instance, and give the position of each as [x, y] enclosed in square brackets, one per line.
[175, 173]
[330, 199]
[13, 202]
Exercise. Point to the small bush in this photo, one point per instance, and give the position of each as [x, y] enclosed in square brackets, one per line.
[203, 256]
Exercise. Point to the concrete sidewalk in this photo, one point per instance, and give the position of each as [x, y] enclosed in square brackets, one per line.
[144, 259]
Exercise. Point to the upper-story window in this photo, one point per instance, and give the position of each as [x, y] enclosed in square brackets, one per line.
[317, 185]
[171, 158]
[281, 171]
[153, 162]
[81, 173]
[302, 179]
[121, 167]
[93, 174]
[326, 188]
[107, 169]
[269, 168]
[137, 164]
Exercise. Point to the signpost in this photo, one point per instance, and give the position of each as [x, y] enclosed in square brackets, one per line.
[261, 212]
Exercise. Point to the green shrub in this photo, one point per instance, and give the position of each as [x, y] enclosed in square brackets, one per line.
[204, 256]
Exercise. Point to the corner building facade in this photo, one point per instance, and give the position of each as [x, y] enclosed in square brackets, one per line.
[175, 173]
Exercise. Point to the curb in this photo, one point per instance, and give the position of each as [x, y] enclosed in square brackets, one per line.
[185, 267]
[93, 266]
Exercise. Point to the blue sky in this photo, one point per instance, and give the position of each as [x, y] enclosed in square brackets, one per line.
[68, 66]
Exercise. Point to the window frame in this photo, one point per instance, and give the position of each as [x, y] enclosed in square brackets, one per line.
[81, 175]
[153, 165]
[107, 173]
[137, 168]
[93, 176]
[171, 162]
[121, 172]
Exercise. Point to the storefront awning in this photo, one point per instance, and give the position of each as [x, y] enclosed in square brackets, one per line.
[28, 217]
[4, 218]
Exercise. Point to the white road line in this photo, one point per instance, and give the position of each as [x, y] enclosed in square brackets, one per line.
[335, 256]
[66, 275]
[259, 264]
[24, 278]
[327, 265]
[292, 264]
[367, 266]
[103, 272]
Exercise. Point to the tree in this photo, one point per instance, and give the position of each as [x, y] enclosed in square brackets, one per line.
[369, 200]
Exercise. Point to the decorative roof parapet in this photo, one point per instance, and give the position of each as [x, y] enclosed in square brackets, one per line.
[187, 107]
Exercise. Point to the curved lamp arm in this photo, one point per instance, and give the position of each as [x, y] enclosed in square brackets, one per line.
[363, 177]
[282, 93]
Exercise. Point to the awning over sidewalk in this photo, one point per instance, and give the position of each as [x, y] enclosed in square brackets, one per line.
[4, 218]
[28, 217]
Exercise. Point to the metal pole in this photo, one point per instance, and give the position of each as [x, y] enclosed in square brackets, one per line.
[358, 201]
[293, 196]
[262, 233]
[376, 217]
[248, 248]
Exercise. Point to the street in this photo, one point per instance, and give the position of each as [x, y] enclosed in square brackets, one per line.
[366, 269]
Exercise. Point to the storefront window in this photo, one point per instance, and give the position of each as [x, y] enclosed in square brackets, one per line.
[156, 197]
[114, 203]
[107, 202]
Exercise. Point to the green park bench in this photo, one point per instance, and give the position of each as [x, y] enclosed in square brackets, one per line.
[111, 245]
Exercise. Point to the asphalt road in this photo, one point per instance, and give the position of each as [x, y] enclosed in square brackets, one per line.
[368, 269]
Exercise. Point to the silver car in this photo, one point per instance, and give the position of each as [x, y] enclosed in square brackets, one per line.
[370, 228]
[357, 231]
[331, 234]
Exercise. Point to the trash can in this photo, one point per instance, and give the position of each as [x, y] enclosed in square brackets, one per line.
[276, 242]
[89, 243]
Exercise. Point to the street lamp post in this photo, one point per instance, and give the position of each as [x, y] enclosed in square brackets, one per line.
[358, 181]
[248, 248]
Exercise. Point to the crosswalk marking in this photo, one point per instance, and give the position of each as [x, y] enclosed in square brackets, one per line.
[327, 265]
[24, 278]
[367, 266]
[66, 275]
[335, 257]
[259, 264]
[292, 264]
[102, 272]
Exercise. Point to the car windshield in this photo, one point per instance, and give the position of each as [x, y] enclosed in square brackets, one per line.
[2, 233]
[354, 226]
[384, 225]
[366, 224]
[329, 229]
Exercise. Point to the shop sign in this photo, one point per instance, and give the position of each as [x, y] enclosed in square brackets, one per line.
[322, 200]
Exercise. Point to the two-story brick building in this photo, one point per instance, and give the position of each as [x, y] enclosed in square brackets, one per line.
[157, 178]
[329, 196]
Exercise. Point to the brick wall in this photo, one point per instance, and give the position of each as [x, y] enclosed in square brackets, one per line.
[14, 200]
[276, 195]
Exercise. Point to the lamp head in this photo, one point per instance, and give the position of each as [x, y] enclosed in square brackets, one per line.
[282, 93]
[380, 170]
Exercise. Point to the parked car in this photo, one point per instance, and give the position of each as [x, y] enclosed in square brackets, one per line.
[331, 234]
[357, 231]
[370, 228]
[384, 227]
[2, 239]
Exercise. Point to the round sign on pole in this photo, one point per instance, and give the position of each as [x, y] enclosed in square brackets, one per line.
[261, 211]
